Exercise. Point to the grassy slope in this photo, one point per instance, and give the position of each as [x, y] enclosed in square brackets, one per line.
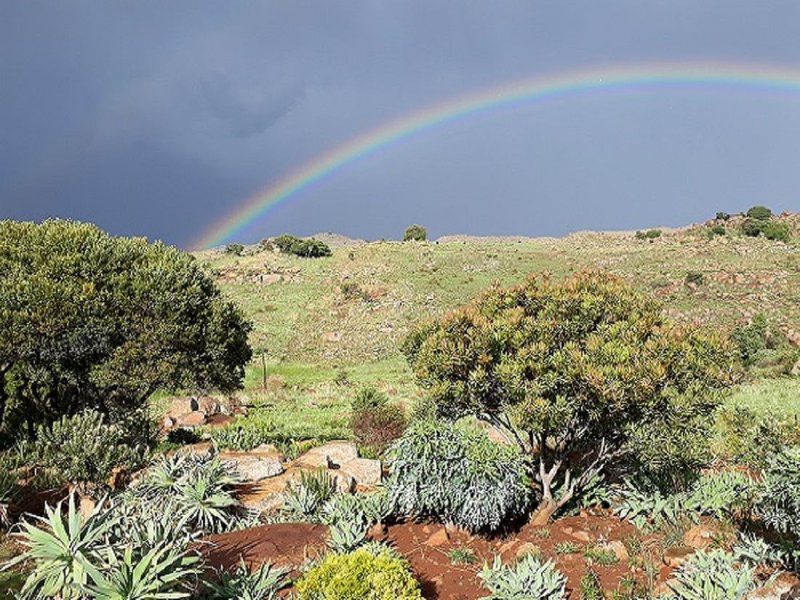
[309, 327]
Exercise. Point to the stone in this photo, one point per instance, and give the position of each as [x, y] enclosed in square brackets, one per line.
[365, 471]
[438, 538]
[118, 479]
[699, 537]
[580, 535]
[208, 405]
[256, 468]
[796, 369]
[784, 586]
[675, 557]
[528, 549]
[169, 423]
[191, 420]
[181, 406]
[332, 454]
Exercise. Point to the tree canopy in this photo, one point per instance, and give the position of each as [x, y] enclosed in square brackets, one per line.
[93, 321]
[578, 373]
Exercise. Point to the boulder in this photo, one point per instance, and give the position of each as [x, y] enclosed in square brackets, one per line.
[256, 468]
[208, 405]
[618, 548]
[365, 471]
[438, 538]
[699, 537]
[332, 454]
[579, 534]
[191, 420]
[675, 557]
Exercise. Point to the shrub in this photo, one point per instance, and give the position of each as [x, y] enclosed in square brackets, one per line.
[764, 346]
[760, 213]
[235, 249]
[749, 439]
[751, 339]
[457, 474]
[93, 321]
[306, 248]
[695, 278]
[723, 216]
[362, 575]
[369, 397]
[84, 449]
[415, 233]
[753, 227]
[779, 503]
[776, 231]
[376, 428]
[349, 517]
[718, 230]
[587, 368]
[528, 579]
[650, 234]
[712, 575]
[242, 584]
[755, 551]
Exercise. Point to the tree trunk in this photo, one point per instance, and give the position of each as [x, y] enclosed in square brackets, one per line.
[545, 510]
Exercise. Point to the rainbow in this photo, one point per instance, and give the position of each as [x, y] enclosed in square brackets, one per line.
[513, 95]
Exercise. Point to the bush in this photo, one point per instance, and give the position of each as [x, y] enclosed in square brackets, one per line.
[457, 474]
[587, 368]
[84, 449]
[650, 234]
[92, 321]
[306, 248]
[528, 579]
[753, 227]
[718, 230]
[415, 233]
[713, 575]
[360, 575]
[349, 517]
[369, 397]
[747, 438]
[306, 497]
[723, 216]
[235, 249]
[376, 428]
[760, 213]
[776, 231]
[695, 278]
[779, 503]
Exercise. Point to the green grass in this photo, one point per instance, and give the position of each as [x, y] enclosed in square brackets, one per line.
[775, 397]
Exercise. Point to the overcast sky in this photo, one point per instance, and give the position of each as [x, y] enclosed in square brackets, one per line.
[157, 118]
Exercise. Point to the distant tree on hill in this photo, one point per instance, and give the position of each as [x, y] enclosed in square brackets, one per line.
[92, 321]
[762, 213]
[415, 233]
[579, 374]
[307, 248]
[235, 249]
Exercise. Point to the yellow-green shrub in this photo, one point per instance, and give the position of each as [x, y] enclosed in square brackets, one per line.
[360, 575]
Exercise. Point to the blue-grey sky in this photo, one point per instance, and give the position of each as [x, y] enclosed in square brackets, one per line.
[157, 118]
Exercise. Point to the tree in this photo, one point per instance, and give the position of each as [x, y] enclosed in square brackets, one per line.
[415, 233]
[761, 213]
[92, 321]
[579, 374]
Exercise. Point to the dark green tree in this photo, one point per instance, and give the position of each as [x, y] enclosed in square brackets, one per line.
[92, 321]
[415, 233]
[580, 374]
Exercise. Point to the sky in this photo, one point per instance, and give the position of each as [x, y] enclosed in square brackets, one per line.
[159, 119]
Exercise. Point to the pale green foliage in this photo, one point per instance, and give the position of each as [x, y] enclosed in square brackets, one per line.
[755, 551]
[61, 547]
[712, 575]
[305, 498]
[242, 584]
[349, 517]
[779, 503]
[457, 474]
[528, 579]
[84, 449]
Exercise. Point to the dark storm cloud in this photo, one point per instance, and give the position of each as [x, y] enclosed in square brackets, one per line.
[157, 118]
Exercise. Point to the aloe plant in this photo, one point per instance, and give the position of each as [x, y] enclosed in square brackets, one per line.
[712, 575]
[242, 584]
[63, 550]
[528, 579]
[163, 573]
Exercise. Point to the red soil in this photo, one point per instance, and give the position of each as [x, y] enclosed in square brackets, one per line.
[426, 546]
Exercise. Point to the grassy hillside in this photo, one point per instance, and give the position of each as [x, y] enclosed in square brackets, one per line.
[356, 306]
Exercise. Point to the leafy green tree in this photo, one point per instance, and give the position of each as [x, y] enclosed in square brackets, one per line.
[578, 373]
[415, 233]
[761, 213]
[92, 321]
